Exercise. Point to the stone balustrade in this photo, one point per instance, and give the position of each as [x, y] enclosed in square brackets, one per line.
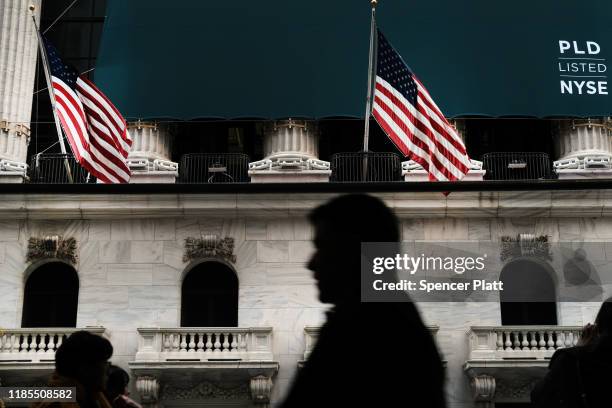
[204, 344]
[35, 345]
[520, 342]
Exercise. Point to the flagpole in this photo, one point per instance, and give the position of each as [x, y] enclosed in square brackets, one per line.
[368, 113]
[43, 56]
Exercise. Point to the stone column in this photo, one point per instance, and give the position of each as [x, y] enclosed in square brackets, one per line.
[291, 154]
[584, 149]
[18, 53]
[412, 171]
[149, 158]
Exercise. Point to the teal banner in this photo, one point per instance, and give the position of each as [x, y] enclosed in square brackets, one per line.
[270, 59]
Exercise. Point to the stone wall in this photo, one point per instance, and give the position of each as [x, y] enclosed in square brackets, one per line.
[130, 273]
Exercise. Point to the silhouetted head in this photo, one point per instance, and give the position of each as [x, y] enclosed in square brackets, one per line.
[341, 225]
[604, 318]
[84, 357]
[118, 380]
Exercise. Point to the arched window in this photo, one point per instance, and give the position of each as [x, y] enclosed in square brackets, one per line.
[210, 296]
[529, 296]
[51, 296]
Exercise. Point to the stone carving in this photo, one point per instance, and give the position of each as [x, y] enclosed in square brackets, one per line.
[525, 245]
[148, 388]
[515, 389]
[261, 389]
[483, 388]
[205, 390]
[52, 247]
[209, 246]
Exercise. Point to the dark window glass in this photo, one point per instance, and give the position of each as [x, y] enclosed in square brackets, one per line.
[210, 296]
[51, 297]
[524, 279]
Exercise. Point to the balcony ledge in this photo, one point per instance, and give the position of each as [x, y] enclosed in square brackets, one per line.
[250, 368]
[27, 356]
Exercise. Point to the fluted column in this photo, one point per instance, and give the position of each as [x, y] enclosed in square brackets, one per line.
[18, 51]
[149, 158]
[584, 148]
[291, 138]
[291, 149]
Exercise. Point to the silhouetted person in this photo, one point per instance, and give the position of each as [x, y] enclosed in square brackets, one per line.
[117, 388]
[580, 377]
[81, 361]
[367, 354]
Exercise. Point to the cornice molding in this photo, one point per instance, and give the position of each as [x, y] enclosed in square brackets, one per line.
[532, 204]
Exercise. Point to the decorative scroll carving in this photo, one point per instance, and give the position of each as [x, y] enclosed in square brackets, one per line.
[261, 389]
[148, 388]
[525, 245]
[209, 246]
[483, 388]
[52, 247]
[205, 390]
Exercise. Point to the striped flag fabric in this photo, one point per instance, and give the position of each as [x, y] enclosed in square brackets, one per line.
[409, 116]
[96, 131]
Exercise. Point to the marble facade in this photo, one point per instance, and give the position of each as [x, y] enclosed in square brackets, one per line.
[131, 259]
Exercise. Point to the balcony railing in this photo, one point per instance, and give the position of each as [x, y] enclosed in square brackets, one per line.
[366, 167]
[35, 345]
[51, 169]
[517, 166]
[205, 344]
[214, 168]
[520, 342]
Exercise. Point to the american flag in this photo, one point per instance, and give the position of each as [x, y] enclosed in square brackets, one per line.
[95, 129]
[409, 116]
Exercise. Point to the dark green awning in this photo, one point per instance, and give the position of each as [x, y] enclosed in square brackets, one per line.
[308, 58]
